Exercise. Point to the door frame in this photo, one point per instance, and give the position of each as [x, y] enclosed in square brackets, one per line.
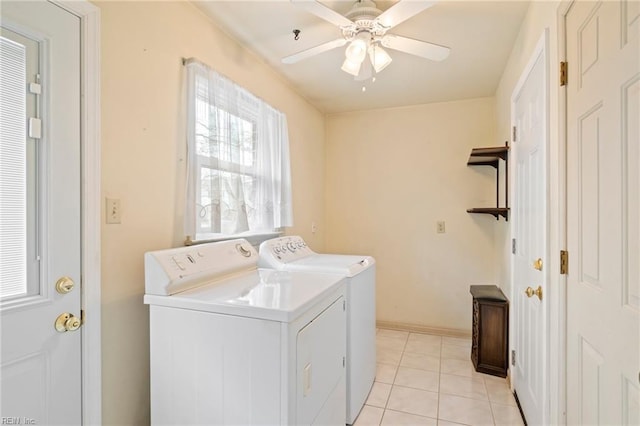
[89, 15]
[542, 48]
[558, 281]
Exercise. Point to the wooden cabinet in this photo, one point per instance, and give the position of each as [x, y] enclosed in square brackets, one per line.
[490, 330]
[491, 157]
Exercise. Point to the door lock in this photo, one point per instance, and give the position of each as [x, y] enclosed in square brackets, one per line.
[530, 292]
[538, 264]
[64, 285]
[67, 322]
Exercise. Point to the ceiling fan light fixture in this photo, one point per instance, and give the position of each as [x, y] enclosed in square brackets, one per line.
[351, 67]
[357, 49]
[379, 57]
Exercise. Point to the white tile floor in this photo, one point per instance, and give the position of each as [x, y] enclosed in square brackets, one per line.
[425, 379]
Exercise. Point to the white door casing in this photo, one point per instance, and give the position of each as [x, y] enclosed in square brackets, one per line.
[529, 230]
[86, 23]
[603, 212]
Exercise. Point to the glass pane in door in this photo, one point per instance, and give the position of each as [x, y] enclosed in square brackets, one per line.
[19, 259]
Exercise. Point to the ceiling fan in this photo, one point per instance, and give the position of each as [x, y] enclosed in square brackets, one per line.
[364, 28]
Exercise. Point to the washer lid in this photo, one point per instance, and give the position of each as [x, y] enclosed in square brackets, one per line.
[344, 264]
[265, 294]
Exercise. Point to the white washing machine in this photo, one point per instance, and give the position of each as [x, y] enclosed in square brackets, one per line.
[291, 253]
[235, 345]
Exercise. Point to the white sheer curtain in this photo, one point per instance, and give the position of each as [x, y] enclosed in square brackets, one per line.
[238, 173]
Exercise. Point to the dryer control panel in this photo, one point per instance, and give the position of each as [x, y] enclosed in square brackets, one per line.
[171, 271]
[283, 250]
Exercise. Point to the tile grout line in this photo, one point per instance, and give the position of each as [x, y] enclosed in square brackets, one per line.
[493, 417]
[384, 411]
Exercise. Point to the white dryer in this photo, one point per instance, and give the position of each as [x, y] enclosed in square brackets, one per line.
[291, 253]
[234, 345]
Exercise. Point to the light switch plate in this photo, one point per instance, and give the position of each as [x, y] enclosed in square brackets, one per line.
[113, 211]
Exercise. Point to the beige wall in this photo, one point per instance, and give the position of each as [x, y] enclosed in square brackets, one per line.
[391, 175]
[142, 47]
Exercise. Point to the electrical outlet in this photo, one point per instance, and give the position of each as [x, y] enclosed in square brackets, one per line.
[314, 228]
[440, 227]
[113, 212]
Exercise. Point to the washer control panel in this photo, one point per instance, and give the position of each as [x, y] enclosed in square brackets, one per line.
[283, 250]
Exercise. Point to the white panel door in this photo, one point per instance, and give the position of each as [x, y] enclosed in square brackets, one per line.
[603, 223]
[529, 231]
[40, 377]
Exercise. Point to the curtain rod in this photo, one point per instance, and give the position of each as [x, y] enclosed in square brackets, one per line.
[187, 61]
[192, 60]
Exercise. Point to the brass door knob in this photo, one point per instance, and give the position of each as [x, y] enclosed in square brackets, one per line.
[538, 264]
[67, 322]
[530, 292]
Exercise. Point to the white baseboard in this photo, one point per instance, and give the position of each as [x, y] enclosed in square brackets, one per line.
[449, 332]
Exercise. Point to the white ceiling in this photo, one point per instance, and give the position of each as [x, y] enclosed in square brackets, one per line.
[479, 33]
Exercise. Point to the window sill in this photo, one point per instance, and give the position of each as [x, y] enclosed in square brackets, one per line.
[254, 238]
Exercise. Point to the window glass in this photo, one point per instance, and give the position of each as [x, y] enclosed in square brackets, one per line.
[19, 262]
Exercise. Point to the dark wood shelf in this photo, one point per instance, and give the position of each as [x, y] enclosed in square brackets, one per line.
[483, 161]
[494, 151]
[491, 156]
[495, 211]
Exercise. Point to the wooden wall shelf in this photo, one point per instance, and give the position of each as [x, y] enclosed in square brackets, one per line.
[495, 211]
[491, 156]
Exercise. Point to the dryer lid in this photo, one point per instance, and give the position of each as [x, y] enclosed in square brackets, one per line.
[264, 294]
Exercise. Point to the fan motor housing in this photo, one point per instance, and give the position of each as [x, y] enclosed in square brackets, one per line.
[363, 10]
[363, 14]
[359, 12]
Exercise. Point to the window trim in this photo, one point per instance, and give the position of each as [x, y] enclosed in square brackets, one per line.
[254, 238]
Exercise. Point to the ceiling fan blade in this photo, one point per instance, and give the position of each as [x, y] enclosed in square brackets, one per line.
[322, 11]
[402, 11]
[292, 59]
[423, 49]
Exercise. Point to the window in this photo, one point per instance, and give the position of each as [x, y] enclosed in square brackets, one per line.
[238, 162]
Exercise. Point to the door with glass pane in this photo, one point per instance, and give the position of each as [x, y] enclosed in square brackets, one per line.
[40, 358]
